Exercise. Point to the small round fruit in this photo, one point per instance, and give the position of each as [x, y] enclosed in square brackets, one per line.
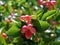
[24, 29]
[28, 34]
[30, 26]
[4, 35]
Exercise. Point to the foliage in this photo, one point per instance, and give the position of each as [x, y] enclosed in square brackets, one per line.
[29, 22]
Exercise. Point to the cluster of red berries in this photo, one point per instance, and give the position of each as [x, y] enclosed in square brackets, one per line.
[28, 29]
[48, 4]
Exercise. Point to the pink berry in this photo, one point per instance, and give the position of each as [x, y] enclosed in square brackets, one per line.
[44, 2]
[29, 22]
[39, 2]
[24, 29]
[28, 34]
[22, 18]
[26, 18]
[53, 3]
[30, 26]
[33, 30]
[4, 35]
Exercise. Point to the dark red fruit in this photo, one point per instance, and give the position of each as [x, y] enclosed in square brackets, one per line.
[28, 34]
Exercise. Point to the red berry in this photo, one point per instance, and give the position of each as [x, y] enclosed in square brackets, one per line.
[4, 35]
[53, 3]
[24, 29]
[44, 2]
[30, 26]
[29, 22]
[39, 2]
[33, 30]
[28, 34]
[22, 18]
[26, 18]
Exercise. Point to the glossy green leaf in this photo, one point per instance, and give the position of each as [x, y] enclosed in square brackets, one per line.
[48, 13]
[50, 17]
[44, 25]
[14, 29]
[37, 14]
[40, 25]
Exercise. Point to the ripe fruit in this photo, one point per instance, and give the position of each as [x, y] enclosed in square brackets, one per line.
[30, 26]
[28, 30]
[29, 22]
[53, 2]
[24, 29]
[44, 2]
[49, 4]
[26, 18]
[4, 35]
[22, 18]
[39, 2]
[33, 30]
[28, 34]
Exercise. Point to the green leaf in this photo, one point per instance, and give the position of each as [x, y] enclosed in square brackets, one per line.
[2, 9]
[40, 25]
[2, 40]
[58, 27]
[56, 43]
[14, 29]
[19, 24]
[10, 44]
[49, 13]
[44, 25]
[58, 3]
[38, 14]
[50, 17]
[21, 2]
[10, 9]
[15, 40]
[41, 42]
[0, 24]
[36, 24]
